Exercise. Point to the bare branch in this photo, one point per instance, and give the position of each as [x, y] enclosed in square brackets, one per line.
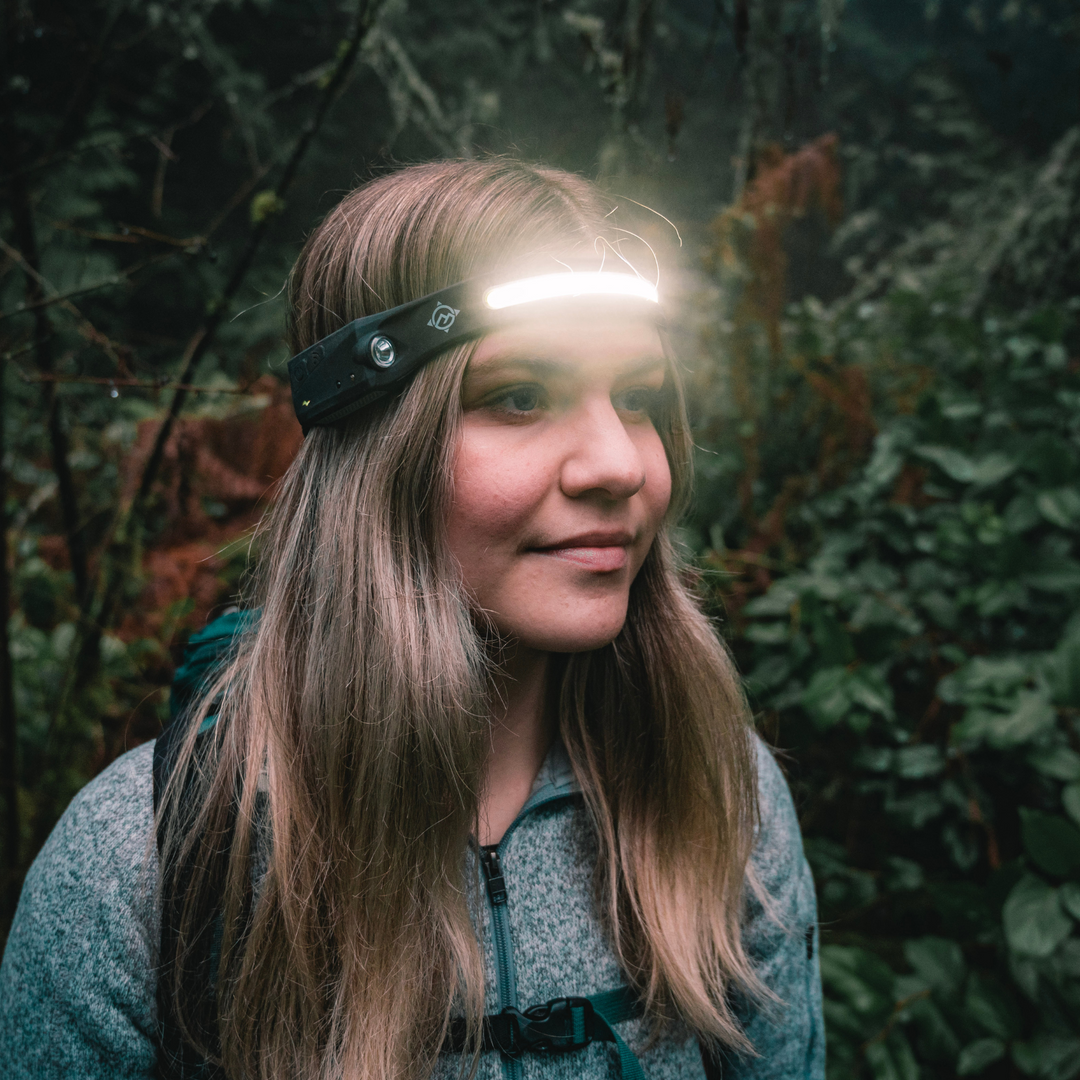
[9, 740]
[36, 291]
[48, 295]
[200, 342]
[59, 298]
[123, 533]
[426, 112]
[134, 234]
[82, 98]
[145, 384]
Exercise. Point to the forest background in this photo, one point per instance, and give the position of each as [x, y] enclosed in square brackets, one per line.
[877, 271]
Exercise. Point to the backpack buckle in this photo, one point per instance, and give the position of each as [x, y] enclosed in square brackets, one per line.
[556, 1026]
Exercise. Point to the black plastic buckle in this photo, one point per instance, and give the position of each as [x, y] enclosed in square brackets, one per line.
[556, 1026]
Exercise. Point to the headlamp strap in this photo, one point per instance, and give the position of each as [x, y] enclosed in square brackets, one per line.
[373, 357]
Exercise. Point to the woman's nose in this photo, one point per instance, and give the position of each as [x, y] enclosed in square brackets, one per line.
[601, 456]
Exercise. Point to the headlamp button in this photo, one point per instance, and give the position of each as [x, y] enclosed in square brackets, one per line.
[382, 351]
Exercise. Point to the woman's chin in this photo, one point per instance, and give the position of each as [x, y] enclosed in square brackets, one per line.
[569, 636]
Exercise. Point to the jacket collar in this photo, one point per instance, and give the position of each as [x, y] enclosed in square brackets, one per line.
[555, 780]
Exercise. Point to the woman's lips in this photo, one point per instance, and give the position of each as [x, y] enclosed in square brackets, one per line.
[601, 552]
[603, 559]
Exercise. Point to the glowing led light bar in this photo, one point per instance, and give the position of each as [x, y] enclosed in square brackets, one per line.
[553, 286]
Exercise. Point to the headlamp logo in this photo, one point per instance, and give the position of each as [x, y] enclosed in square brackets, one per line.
[442, 318]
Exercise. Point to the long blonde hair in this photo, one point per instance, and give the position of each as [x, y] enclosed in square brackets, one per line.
[329, 819]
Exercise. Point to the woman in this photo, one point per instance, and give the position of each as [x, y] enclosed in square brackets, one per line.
[476, 790]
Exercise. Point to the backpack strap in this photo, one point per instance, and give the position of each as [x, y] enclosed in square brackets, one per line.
[558, 1026]
[203, 656]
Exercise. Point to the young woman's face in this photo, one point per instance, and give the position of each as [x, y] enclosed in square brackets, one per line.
[560, 480]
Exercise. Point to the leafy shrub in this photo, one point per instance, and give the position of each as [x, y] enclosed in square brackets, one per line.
[918, 648]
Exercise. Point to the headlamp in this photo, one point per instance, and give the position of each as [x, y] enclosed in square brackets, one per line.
[373, 357]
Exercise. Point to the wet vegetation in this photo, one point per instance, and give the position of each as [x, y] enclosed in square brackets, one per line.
[878, 290]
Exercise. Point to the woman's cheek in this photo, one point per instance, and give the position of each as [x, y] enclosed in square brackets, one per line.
[495, 493]
[657, 481]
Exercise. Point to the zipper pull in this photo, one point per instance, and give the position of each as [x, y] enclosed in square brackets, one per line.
[493, 875]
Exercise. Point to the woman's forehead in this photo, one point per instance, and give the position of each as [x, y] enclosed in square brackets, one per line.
[573, 341]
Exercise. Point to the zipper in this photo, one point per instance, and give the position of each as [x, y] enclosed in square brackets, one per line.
[495, 887]
[505, 980]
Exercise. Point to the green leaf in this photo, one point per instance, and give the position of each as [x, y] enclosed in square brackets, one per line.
[952, 462]
[265, 204]
[1060, 507]
[992, 469]
[62, 638]
[917, 808]
[1070, 799]
[836, 694]
[1056, 575]
[984, 679]
[1052, 842]
[1034, 922]
[828, 632]
[885, 463]
[1049, 1057]
[770, 673]
[995, 597]
[1069, 894]
[771, 633]
[842, 1018]
[877, 759]
[983, 472]
[962, 843]
[1064, 670]
[994, 1010]
[859, 979]
[917, 762]
[826, 698]
[1059, 762]
[941, 607]
[979, 1055]
[891, 1058]
[1031, 717]
[936, 1039]
[779, 600]
[938, 961]
[1021, 514]
[962, 410]
[870, 689]
[902, 875]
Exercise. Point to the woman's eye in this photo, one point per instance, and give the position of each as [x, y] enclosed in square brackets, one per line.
[642, 399]
[518, 399]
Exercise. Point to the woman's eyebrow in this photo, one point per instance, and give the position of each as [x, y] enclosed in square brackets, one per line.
[645, 365]
[542, 365]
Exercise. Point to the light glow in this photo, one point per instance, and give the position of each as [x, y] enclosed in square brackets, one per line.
[553, 286]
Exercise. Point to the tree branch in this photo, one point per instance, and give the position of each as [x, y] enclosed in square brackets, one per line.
[115, 564]
[82, 97]
[49, 296]
[145, 384]
[202, 339]
[58, 298]
[23, 221]
[9, 740]
[9, 781]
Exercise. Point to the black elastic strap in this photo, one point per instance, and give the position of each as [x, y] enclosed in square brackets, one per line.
[557, 1026]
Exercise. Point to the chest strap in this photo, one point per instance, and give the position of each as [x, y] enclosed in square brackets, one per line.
[559, 1025]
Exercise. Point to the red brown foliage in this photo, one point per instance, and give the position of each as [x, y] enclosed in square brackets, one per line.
[751, 231]
[234, 463]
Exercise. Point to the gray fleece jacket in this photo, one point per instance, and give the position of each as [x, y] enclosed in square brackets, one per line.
[77, 984]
